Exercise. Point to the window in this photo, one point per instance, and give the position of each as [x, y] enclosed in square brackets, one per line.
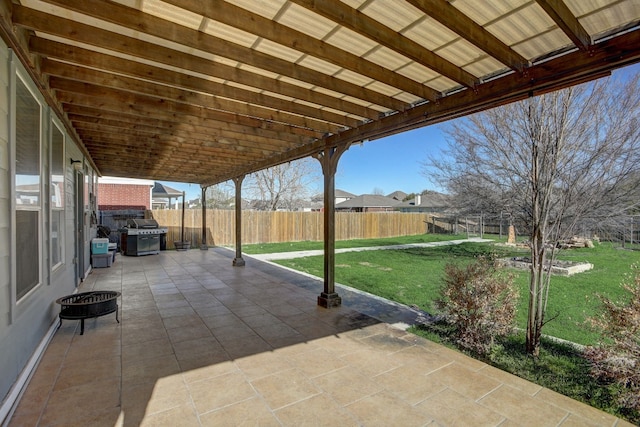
[27, 189]
[57, 196]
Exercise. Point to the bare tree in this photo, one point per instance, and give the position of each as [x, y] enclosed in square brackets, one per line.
[220, 196]
[284, 186]
[552, 160]
[475, 196]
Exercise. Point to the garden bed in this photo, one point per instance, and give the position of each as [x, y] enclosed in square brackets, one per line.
[561, 268]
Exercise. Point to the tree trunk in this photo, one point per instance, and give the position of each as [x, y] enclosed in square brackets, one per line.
[538, 286]
[534, 313]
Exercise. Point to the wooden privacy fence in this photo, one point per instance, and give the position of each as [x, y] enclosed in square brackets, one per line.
[271, 227]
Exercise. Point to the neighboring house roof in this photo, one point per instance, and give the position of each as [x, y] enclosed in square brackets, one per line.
[368, 201]
[164, 191]
[398, 195]
[340, 194]
[344, 194]
[314, 205]
[428, 200]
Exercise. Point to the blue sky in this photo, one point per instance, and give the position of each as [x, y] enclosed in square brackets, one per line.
[388, 164]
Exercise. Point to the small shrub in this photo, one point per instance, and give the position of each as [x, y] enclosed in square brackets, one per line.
[480, 300]
[616, 358]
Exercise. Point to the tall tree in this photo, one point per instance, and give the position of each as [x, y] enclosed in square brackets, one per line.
[552, 161]
[220, 196]
[284, 186]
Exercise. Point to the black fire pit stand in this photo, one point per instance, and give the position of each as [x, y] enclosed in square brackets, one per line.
[87, 305]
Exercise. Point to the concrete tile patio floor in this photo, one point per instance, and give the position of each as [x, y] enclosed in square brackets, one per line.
[203, 343]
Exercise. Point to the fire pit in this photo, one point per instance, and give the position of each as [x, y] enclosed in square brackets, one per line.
[86, 305]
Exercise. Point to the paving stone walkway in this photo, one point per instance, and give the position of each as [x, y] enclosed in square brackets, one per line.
[300, 254]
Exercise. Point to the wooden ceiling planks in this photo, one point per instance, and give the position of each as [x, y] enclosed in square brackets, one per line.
[203, 92]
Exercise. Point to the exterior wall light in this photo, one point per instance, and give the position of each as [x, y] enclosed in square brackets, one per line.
[77, 164]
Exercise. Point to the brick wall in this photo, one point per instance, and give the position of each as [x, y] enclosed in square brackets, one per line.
[123, 196]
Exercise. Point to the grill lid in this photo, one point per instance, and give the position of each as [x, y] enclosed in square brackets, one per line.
[142, 223]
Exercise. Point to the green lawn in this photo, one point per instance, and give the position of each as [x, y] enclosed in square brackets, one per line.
[269, 248]
[413, 276]
[573, 299]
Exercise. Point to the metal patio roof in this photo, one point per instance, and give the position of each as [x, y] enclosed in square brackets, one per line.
[204, 91]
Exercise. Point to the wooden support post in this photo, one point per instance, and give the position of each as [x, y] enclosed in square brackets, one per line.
[184, 202]
[203, 199]
[329, 160]
[238, 261]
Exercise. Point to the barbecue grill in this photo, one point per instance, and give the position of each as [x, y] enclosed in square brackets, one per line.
[143, 237]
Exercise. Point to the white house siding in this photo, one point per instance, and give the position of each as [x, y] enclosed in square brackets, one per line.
[25, 326]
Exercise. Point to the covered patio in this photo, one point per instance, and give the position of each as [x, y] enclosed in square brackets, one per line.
[211, 91]
[182, 90]
[203, 343]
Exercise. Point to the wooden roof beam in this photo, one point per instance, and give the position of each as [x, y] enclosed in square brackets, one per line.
[160, 171]
[222, 161]
[113, 64]
[134, 19]
[83, 106]
[568, 23]
[245, 20]
[200, 138]
[166, 123]
[224, 133]
[360, 23]
[161, 142]
[232, 145]
[100, 78]
[446, 14]
[144, 146]
[82, 33]
[249, 125]
[111, 153]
